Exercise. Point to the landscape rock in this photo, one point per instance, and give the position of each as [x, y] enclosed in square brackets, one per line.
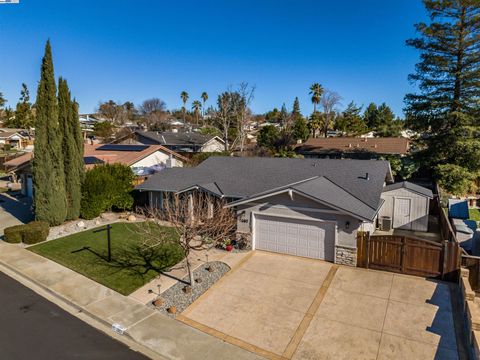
[175, 296]
[80, 224]
[132, 218]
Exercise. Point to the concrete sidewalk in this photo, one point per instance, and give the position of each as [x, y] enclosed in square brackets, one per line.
[169, 338]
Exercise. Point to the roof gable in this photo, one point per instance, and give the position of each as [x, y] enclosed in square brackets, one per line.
[410, 186]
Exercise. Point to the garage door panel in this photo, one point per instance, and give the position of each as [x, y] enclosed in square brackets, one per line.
[306, 238]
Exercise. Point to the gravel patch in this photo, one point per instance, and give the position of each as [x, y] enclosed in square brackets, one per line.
[176, 296]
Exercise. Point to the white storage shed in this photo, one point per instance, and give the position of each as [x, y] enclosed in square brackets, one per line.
[407, 205]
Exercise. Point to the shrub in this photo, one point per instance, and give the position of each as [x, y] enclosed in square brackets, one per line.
[13, 234]
[35, 232]
[107, 187]
[31, 233]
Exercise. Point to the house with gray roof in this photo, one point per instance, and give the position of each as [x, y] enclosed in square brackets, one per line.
[183, 142]
[305, 207]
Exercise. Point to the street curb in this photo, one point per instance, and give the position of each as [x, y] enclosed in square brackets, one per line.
[77, 307]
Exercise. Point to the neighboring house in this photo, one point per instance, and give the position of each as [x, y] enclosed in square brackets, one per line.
[348, 147]
[183, 142]
[305, 207]
[144, 160]
[406, 206]
[17, 139]
[20, 168]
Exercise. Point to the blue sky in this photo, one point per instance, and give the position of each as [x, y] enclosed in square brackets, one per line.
[138, 49]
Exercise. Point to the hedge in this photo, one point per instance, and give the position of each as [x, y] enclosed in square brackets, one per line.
[107, 187]
[31, 233]
[13, 234]
[35, 232]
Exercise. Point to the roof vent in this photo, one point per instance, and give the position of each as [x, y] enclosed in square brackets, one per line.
[367, 177]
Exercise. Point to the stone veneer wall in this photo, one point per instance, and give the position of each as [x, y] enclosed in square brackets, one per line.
[345, 255]
[246, 238]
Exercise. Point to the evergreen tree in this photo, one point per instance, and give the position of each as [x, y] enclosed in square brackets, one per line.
[72, 149]
[447, 106]
[48, 172]
[351, 121]
[300, 129]
[371, 116]
[23, 113]
[284, 116]
[3, 101]
[296, 113]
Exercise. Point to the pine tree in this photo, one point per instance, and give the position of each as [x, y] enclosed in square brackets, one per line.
[72, 149]
[296, 113]
[300, 129]
[351, 121]
[447, 106]
[48, 171]
[3, 114]
[23, 113]
[3, 101]
[371, 116]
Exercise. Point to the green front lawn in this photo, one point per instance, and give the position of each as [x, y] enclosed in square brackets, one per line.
[474, 214]
[132, 265]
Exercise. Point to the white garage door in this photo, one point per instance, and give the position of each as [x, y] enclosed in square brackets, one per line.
[307, 238]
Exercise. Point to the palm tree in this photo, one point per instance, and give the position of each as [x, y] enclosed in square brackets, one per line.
[196, 107]
[204, 97]
[184, 96]
[316, 90]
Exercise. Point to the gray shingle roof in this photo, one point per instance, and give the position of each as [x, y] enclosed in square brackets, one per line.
[343, 182]
[410, 186]
[176, 138]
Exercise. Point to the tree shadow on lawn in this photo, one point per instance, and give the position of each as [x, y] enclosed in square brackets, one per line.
[137, 261]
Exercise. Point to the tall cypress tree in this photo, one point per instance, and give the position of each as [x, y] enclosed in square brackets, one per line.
[72, 148]
[447, 106]
[48, 168]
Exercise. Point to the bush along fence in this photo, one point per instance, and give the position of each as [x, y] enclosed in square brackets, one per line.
[31, 233]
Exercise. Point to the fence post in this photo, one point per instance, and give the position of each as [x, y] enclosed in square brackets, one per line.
[403, 251]
[367, 241]
[445, 258]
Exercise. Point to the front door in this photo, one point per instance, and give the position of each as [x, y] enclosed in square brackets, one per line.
[401, 214]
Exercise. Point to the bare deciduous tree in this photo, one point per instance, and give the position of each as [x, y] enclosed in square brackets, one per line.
[329, 100]
[200, 220]
[153, 112]
[233, 115]
[242, 111]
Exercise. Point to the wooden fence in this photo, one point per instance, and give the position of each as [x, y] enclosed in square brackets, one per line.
[408, 255]
[472, 263]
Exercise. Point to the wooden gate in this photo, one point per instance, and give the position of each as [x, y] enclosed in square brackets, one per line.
[408, 255]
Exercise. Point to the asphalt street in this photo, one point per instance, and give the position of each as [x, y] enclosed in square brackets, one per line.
[33, 328]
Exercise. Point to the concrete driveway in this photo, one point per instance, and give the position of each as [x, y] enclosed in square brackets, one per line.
[14, 211]
[284, 307]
